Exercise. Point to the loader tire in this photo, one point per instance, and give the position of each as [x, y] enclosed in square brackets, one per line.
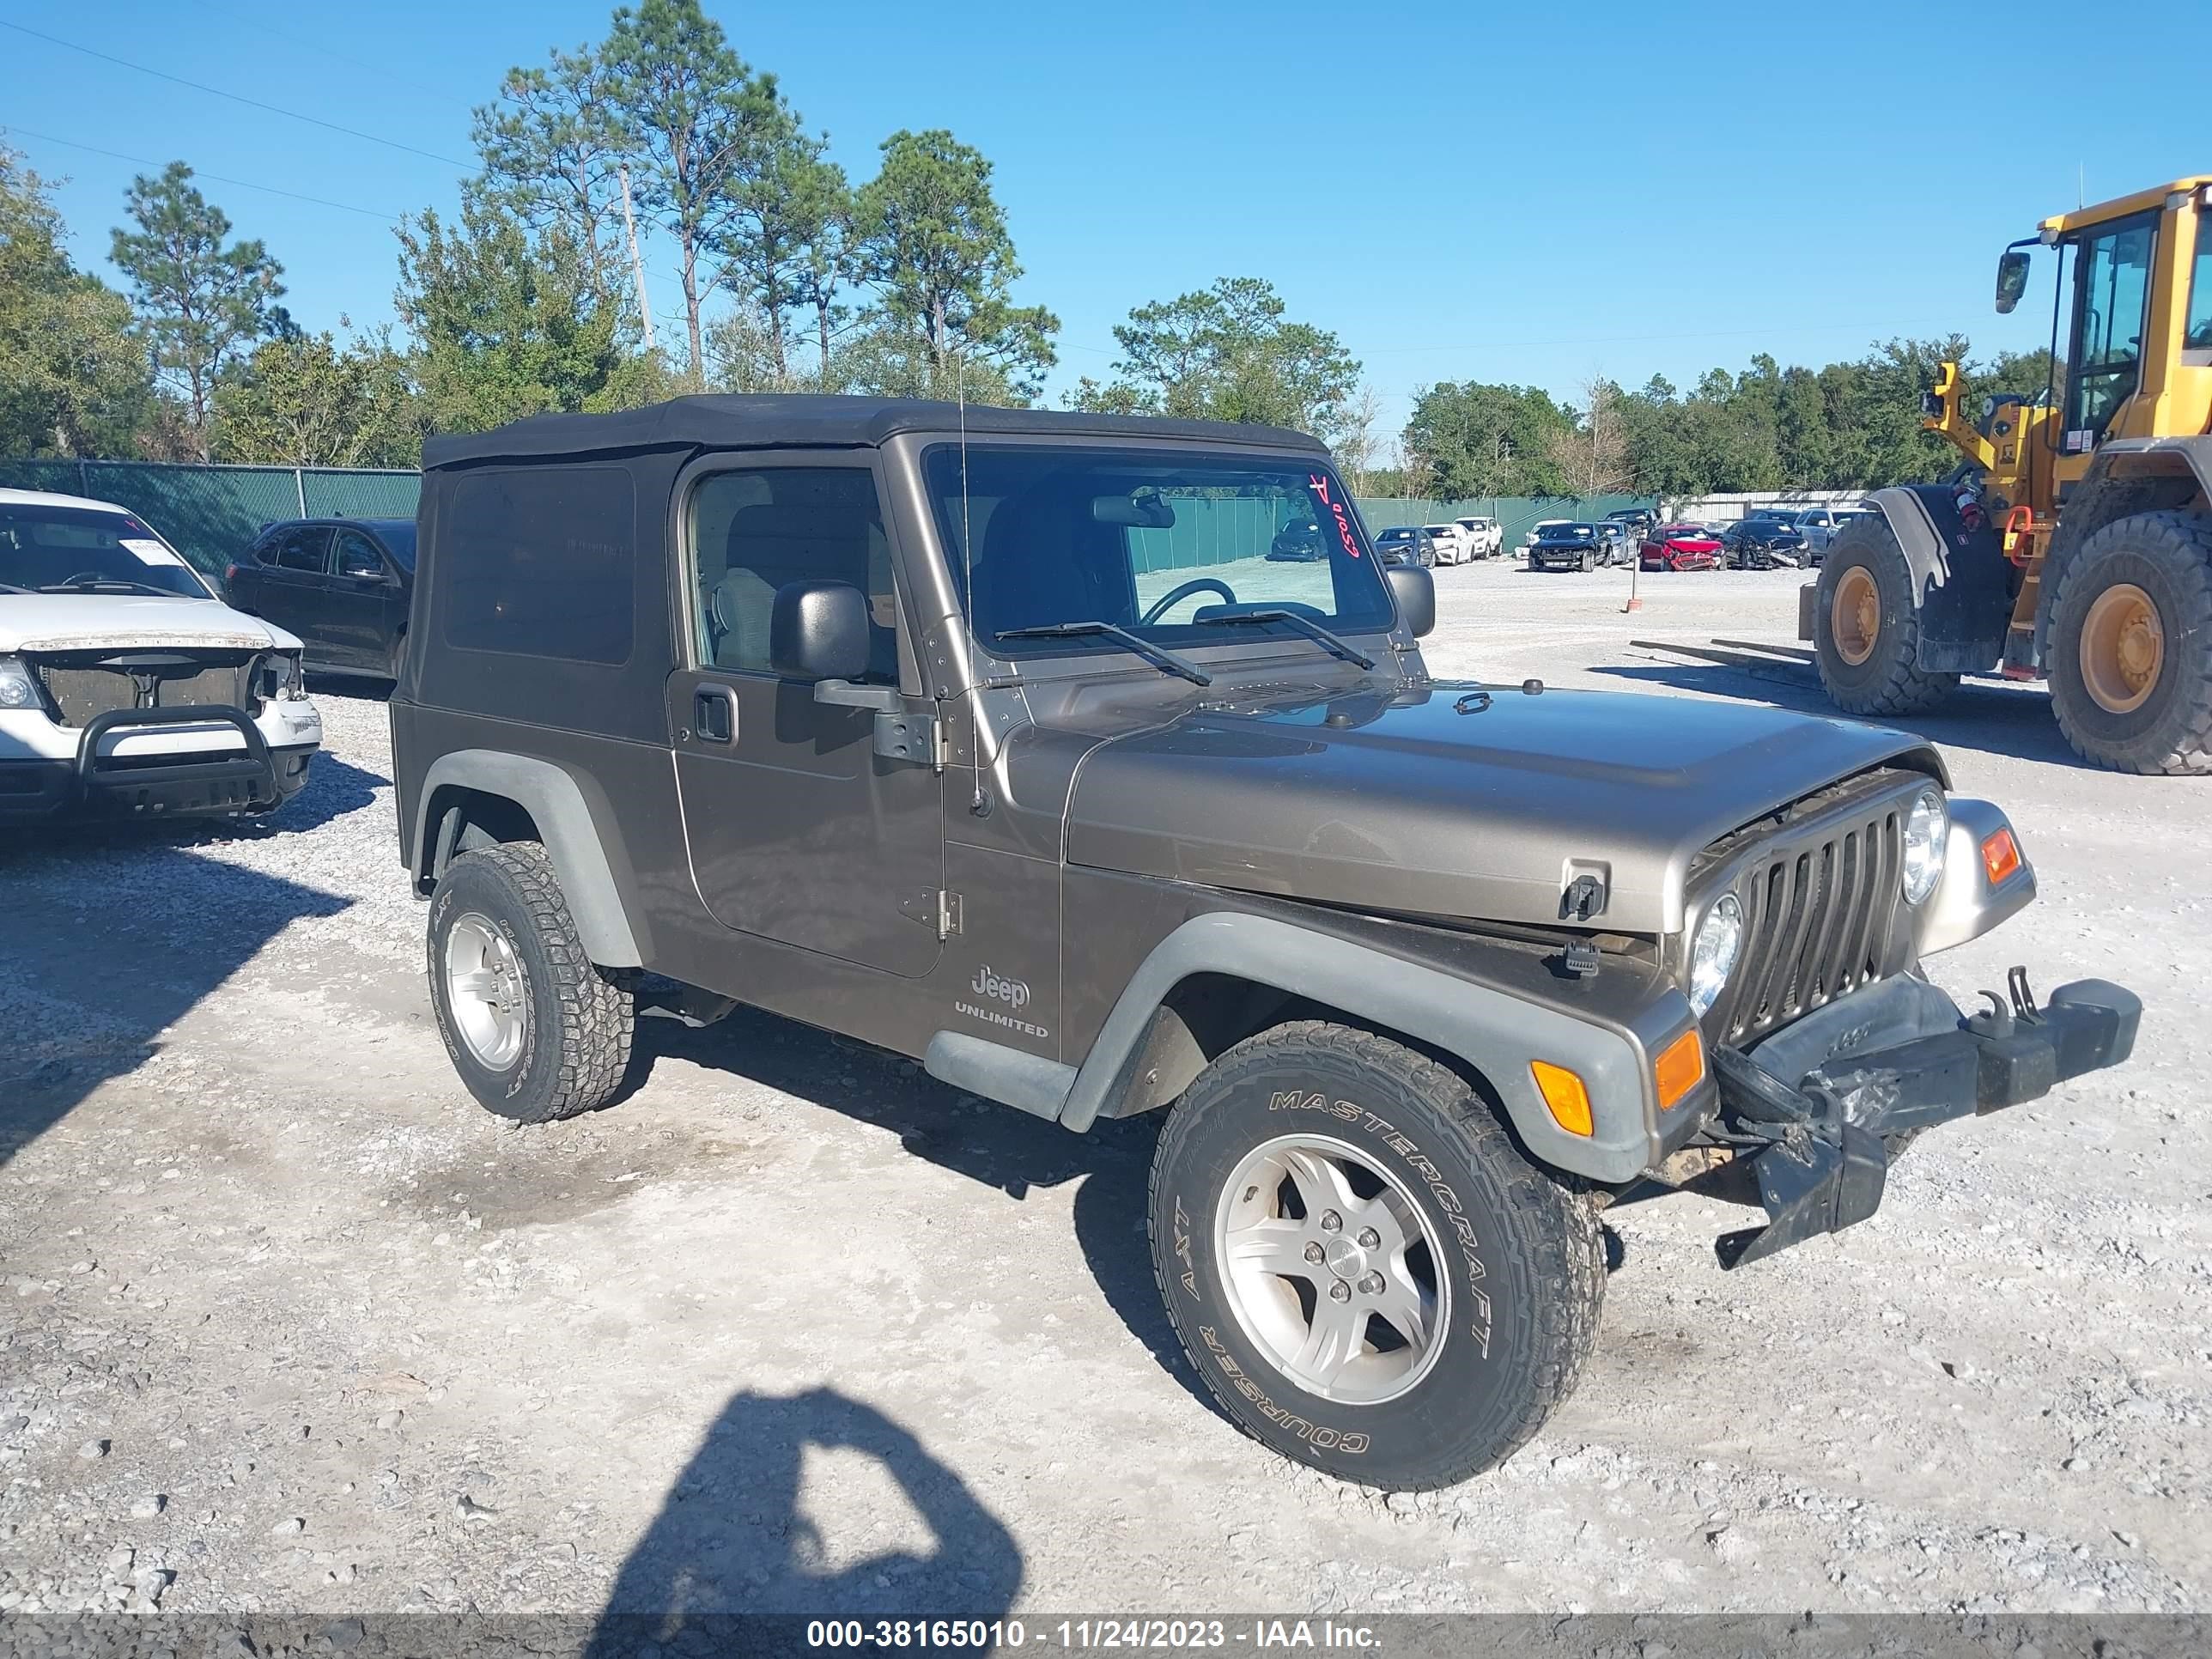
[2131, 646]
[1866, 627]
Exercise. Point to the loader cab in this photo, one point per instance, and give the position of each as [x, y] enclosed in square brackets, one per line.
[2131, 321]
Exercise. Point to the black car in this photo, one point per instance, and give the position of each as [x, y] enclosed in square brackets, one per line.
[342, 585]
[1636, 522]
[1571, 545]
[1763, 543]
[1298, 543]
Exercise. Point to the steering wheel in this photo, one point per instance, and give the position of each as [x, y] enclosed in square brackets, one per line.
[1174, 596]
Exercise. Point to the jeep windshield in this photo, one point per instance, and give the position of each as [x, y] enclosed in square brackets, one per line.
[1168, 546]
[86, 550]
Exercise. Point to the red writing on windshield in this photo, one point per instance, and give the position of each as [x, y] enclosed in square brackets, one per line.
[1319, 486]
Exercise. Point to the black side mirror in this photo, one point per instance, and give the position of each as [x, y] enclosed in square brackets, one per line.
[1415, 591]
[2012, 278]
[818, 631]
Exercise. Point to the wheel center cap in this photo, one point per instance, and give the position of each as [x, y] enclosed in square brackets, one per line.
[1345, 1258]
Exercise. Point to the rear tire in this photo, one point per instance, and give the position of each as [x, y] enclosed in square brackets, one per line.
[1496, 1270]
[1873, 669]
[536, 1030]
[2131, 646]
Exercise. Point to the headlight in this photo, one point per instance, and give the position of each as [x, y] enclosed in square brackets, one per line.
[17, 689]
[1927, 827]
[1713, 953]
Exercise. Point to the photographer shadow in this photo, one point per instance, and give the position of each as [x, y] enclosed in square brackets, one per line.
[731, 1539]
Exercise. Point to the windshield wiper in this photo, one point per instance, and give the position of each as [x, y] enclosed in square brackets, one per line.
[1313, 630]
[1136, 642]
[97, 583]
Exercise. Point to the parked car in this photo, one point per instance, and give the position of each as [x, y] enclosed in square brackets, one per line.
[127, 689]
[1453, 544]
[1680, 547]
[1615, 544]
[713, 703]
[1406, 543]
[1529, 536]
[1763, 543]
[1567, 544]
[1820, 524]
[1487, 535]
[1298, 543]
[343, 585]
[1638, 522]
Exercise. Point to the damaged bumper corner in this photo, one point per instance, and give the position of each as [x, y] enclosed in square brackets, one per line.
[1810, 1108]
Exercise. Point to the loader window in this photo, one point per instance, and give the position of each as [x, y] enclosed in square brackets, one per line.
[2199, 335]
[2111, 285]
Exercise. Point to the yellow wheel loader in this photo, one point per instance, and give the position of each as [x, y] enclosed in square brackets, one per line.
[2075, 544]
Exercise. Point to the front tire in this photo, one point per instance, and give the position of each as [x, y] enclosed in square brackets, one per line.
[536, 1030]
[1367, 1275]
[1866, 628]
[2131, 646]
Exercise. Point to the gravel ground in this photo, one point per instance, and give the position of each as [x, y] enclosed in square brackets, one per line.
[291, 1325]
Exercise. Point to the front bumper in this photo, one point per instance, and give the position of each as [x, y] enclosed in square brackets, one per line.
[1810, 1108]
[96, 787]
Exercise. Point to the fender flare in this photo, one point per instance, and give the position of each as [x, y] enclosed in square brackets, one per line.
[1960, 580]
[1496, 1033]
[556, 804]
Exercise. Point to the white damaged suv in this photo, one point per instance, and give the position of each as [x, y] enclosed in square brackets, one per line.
[127, 689]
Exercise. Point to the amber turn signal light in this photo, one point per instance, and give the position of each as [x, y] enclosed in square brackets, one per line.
[2000, 856]
[1564, 1093]
[1680, 1068]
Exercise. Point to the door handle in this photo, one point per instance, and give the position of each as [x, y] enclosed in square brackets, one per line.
[715, 714]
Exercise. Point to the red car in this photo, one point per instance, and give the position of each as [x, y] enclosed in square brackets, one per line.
[1680, 547]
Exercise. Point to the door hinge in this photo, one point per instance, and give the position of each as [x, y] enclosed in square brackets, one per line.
[933, 907]
[920, 737]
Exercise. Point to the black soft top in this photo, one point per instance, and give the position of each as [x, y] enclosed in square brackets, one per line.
[760, 420]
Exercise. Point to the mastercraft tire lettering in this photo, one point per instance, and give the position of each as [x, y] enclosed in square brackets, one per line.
[1365, 1272]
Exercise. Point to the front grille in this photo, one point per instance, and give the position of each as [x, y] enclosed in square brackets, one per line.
[81, 691]
[1819, 920]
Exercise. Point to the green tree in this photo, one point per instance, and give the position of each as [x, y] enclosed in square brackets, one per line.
[306, 401]
[700, 124]
[1474, 439]
[1226, 353]
[73, 380]
[505, 325]
[783, 239]
[202, 303]
[933, 241]
[552, 154]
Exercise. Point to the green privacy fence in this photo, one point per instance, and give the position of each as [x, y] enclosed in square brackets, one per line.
[211, 513]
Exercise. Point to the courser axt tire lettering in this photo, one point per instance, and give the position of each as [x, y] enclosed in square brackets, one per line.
[1517, 1261]
[577, 1018]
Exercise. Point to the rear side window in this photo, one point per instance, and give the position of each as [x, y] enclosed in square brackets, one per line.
[536, 560]
[305, 550]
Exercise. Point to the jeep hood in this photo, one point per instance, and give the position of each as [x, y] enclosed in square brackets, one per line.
[1454, 800]
[130, 621]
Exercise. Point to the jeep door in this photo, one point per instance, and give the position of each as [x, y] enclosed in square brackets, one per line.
[797, 830]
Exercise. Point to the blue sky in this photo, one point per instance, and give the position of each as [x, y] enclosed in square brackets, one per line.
[1530, 193]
